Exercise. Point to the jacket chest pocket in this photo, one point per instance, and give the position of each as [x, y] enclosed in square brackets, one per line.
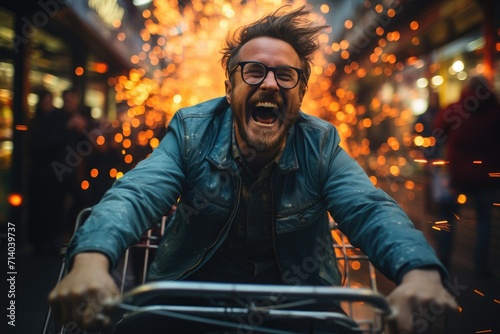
[299, 216]
[210, 200]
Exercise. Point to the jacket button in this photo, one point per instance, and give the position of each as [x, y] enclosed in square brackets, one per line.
[303, 221]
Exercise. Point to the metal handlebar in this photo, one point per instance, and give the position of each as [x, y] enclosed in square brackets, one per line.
[240, 299]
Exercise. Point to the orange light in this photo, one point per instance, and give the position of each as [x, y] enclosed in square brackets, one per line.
[461, 199]
[85, 184]
[116, 23]
[15, 199]
[118, 137]
[154, 142]
[21, 127]
[419, 127]
[100, 140]
[94, 172]
[414, 25]
[79, 71]
[409, 184]
[128, 158]
[101, 67]
[355, 265]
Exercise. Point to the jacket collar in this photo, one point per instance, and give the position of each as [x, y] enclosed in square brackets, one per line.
[220, 154]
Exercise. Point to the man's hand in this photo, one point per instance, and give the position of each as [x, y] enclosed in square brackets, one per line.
[421, 304]
[80, 297]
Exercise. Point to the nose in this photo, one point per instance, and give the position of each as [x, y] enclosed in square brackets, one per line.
[269, 82]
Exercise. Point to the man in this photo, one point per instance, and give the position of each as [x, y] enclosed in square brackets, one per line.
[255, 178]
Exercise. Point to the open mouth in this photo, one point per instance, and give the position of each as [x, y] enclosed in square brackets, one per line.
[265, 113]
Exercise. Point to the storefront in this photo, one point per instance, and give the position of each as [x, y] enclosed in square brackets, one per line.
[407, 52]
[57, 45]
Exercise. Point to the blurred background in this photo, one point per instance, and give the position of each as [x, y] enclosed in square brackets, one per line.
[115, 71]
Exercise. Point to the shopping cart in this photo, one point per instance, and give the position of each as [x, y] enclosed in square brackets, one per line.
[228, 303]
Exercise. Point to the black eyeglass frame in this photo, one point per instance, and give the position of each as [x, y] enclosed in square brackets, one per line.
[242, 64]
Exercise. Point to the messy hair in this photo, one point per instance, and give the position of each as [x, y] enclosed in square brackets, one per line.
[293, 28]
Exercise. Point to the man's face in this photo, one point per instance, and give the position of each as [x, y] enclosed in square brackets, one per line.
[264, 113]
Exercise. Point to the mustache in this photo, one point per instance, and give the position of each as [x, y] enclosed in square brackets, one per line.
[264, 97]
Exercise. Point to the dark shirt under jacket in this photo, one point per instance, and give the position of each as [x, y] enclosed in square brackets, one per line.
[247, 254]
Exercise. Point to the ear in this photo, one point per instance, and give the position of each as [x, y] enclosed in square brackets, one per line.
[302, 93]
[229, 89]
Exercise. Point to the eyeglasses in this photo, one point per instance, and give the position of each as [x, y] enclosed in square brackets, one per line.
[253, 73]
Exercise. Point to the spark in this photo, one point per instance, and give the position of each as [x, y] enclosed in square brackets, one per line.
[439, 162]
[479, 292]
[444, 225]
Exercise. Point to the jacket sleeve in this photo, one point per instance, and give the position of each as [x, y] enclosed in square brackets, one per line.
[136, 201]
[370, 218]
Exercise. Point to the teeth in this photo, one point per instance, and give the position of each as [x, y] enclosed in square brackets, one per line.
[266, 105]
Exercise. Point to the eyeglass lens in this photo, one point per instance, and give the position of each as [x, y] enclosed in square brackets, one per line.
[255, 73]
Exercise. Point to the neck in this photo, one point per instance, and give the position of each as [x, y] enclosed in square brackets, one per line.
[257, 160]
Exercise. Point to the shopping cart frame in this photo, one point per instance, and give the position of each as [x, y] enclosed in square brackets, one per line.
[245, 295]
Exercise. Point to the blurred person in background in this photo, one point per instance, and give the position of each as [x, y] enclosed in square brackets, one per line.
[425, 125]
[78, 147]
[437, 195]
[47, 139]
[470, 129]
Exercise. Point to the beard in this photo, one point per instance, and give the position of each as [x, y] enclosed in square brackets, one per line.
[263, 140]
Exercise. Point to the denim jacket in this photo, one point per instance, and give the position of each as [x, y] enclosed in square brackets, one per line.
[193, 167]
